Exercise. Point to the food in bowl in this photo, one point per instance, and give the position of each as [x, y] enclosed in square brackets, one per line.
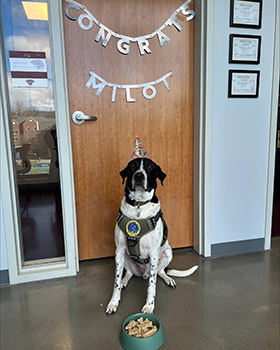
[141, 328]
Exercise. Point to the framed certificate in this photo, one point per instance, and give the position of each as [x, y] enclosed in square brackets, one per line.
[244, 49]
[246, 13]
[243, 83]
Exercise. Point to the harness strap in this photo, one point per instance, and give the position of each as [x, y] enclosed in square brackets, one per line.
[134, 230]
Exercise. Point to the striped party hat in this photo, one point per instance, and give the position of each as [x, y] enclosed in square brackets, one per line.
[138, 150]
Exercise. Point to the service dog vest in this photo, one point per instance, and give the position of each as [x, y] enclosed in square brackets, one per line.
[134, 230]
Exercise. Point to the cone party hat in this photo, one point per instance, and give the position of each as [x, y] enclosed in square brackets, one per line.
[138, 150]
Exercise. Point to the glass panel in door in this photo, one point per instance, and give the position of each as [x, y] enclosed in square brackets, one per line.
[33, 125]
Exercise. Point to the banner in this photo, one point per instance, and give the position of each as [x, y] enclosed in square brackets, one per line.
[123, 44]
[146, 87]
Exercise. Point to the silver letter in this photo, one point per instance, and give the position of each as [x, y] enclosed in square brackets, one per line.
[143, 46]
[101, 34]
[114, 94]
[172, 20]
[125, 48]
[166, 84]
[154, 91]
[128, 97]
[186, 13]
[67, 12]
[99, 86]
[81, 24]
[162, 38]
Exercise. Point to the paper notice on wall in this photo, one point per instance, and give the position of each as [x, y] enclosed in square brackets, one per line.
[28, 69]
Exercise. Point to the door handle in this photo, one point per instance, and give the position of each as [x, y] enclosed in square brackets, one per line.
[79, 117]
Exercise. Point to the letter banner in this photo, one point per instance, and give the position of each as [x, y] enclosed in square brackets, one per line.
[123, 44]
[101, 83]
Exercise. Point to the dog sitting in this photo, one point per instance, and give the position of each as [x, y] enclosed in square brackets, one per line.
[142, 248]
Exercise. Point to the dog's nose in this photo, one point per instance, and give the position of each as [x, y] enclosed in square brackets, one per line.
[139, 176]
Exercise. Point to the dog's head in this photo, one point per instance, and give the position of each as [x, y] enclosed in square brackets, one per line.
[142, 175]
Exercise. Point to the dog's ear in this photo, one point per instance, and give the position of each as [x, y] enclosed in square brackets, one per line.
[160, 175]
[124, 173]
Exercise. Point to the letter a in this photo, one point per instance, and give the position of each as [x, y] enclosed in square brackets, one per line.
[162, 38]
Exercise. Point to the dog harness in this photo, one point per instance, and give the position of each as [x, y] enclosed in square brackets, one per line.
[134, 230]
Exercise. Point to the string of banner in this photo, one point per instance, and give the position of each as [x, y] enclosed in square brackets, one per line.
[146, 86]
[123, 46]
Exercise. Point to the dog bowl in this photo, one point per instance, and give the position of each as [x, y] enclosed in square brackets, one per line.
[153, 342]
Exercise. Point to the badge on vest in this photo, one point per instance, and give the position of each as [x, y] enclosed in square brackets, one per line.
[133, 228]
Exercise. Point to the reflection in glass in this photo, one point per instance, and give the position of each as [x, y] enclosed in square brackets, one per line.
[27, 50]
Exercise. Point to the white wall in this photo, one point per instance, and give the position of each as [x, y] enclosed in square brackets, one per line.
[3, 249]
[240, 135]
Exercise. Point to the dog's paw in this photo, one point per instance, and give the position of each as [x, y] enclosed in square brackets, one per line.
[170, 282]
[124, 283]
[148, 309]
[111, 308]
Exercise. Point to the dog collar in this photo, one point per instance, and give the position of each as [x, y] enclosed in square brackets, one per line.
[136, 203]
[139, 204]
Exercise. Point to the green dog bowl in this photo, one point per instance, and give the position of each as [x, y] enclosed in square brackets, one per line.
[153, 342]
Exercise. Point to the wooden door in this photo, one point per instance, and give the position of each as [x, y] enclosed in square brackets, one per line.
[101, 149]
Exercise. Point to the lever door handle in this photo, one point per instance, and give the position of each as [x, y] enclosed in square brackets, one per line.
[79, 117]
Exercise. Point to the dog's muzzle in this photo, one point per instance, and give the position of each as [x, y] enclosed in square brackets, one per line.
[139, 181]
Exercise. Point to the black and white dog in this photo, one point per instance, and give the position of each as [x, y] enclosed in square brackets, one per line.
[141, 241]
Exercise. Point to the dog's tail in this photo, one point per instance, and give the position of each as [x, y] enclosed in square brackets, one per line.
[181, 273]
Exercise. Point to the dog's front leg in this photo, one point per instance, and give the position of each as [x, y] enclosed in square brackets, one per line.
[151, 293]
[116, 297]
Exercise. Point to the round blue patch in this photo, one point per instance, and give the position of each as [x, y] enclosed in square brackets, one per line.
[133, 228]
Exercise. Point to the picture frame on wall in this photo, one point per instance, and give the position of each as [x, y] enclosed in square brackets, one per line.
[243, 83]
[246, 13]
[244, 49]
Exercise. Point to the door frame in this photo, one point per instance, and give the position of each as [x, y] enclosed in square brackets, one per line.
[273, 130]
[49, 268]
[203, 119]
[204, 47]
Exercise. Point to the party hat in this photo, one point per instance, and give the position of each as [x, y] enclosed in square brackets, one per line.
[138, 150]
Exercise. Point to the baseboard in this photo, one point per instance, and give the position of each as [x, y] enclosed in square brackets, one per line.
[4, 278]
[239, 247]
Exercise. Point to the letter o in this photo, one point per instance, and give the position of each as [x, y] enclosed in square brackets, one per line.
[154, 91]
[81, 24]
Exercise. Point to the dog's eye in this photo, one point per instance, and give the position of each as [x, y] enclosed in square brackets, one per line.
[149, 166]
[132, 165]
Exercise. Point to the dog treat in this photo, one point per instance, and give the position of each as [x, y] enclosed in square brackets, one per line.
[147, 323]
[145, 326]
[150, 332]
[139, 335]
[141, 328]
[131, 324]
[134, 331]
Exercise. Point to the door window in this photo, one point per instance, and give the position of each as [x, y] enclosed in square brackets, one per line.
[33, 125]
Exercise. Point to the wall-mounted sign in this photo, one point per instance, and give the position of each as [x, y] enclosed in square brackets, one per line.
[243, 83]
[246, 13]
[87, 20]
[28, 69]
[149, 91]
[244, 49]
